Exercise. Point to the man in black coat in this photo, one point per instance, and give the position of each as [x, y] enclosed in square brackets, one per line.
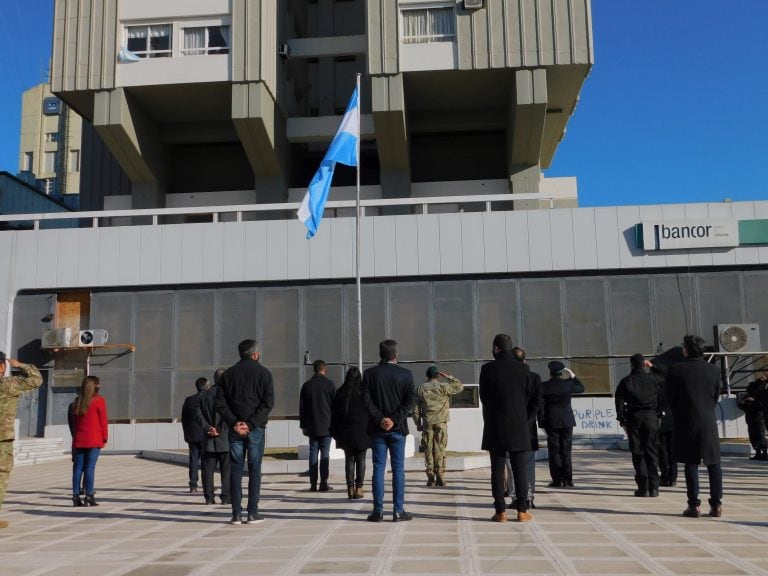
[505, 392]
[389, 394]
[216, 446]
[244, 399]
[315, 420]
[558, 422]
[694, 388]
[636, 410]
[193, 432]
[754, 413]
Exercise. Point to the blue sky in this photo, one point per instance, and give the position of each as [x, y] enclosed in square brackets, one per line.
[675, 108]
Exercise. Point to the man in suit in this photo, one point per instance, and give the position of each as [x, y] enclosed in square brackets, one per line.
[216, 445]
[315, 421]
[559, 422]
[244, 399]
[505, 392]
[694, 389]
[193, 432]
[389, 394]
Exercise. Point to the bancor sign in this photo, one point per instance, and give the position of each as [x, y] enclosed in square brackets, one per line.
[681, 234]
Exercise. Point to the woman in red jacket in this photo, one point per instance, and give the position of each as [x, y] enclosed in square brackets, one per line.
[89, 436]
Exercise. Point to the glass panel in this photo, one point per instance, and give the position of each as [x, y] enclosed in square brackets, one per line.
[542, 318]
[322, 323]
[675, 309]
[113, 312]
[441, 23]
[160, 41]
[115, 387]
[496, 313]
[60, 402]
[719, 302]
[409, 314]
[194, 336]
[27, 328]
[453, 312]
[184, 385]
[374, 321]
[238, 314]
[194, 41]
[755, 285]
[218, 39]
[631, 316]
[280, 326]
[154, 330]
[287, 382]
[594, 373]
[415, 26]
[585, 317]
[152, 400]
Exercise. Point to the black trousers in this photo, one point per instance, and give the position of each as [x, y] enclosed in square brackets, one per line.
[354, 467]
[210, 459]
[559, 444]
[518, 462]
[756, 431]
[667, 464]
[643, 431]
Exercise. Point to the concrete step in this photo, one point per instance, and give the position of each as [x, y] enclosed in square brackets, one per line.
[34, 450]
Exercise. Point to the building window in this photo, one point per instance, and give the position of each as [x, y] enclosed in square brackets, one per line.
[422, 25]
[51, 137]
[29, 159]
[49, 166]
[149, 41]
[74, 160]
[201, 40]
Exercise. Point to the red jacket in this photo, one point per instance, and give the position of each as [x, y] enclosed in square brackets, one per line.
[90, 430]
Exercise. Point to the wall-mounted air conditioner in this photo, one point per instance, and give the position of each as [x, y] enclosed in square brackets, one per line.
[56, 338]
[737, 337]
[473, 4]
[92, 337]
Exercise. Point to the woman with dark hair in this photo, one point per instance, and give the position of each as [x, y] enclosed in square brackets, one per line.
[89, 426]
[349, 424]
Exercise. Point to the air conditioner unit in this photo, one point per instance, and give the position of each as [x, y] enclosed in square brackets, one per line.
[737, 337]
[473, 4]
[56, 338]
[92, 337]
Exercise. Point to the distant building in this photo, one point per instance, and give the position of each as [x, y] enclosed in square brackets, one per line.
[50, 144]
[234, 102]
[20, 197]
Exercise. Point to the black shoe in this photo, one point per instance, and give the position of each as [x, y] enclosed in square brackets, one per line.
[555, 484]
[226, 500]
[642, 493]
[402, 516]
[76, 502]
[439, 481]
[254, 518]
[192, 489]
[430, 482]
[653, 494]
[236, 520]
[692, 512]
[90, 500]
[325, 488]
[375, 517]
[313, 488]
[568, 484]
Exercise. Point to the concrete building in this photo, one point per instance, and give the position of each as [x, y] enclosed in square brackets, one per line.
[50, 144]
[235, 101]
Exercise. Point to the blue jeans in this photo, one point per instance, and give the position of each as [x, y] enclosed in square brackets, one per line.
[84, 463]
[238, 445]
[715, 473]
[195, 453]
[321, 444]
[394, 443]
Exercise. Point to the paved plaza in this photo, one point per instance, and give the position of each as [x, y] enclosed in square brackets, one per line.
[149, 525]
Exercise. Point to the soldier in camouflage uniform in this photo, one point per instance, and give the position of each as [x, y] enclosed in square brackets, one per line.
[431, 416]
[11, 389]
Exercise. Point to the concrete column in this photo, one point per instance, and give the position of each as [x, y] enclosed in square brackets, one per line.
[389, 120]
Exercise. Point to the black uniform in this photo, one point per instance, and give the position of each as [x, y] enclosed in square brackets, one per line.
[558, 422]
[755, 417]
[636, 404]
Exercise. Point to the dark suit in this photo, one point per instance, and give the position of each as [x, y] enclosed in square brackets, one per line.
[505, 392]
[215, 448]
[193, 435]
[693, 387]
[315, 421]
[559, 422]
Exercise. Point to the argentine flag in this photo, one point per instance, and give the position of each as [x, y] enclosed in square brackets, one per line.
[343, 149]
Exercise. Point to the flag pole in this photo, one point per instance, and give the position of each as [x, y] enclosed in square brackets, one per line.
[357, 242]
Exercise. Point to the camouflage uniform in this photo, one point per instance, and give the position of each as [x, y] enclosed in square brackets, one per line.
[11, 389]
[431, 414]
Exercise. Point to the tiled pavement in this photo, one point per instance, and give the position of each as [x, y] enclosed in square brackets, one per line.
[148, 525]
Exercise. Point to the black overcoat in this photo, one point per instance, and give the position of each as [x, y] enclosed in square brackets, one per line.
[208, 416]
[190, 424]
[535, 409]
[558, 412]
[315, 405]
[349, 419]
[388, 391]
[505, 391]
[693, 388]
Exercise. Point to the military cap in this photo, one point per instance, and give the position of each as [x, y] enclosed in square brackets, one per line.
[556, 366]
